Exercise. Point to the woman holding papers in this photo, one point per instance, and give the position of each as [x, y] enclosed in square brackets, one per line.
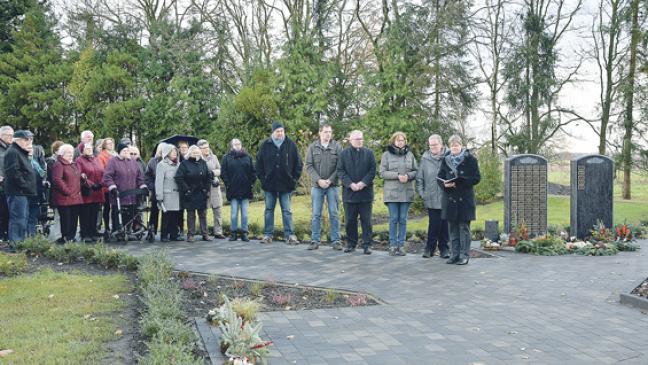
[458, 174]
[167, 194]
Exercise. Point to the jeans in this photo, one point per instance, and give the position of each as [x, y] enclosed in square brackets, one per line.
[397, 223]
[242, 206]
[4, 217]
[352, 211]
[18, 215]
[32, 218]
[317, 197]
[437, 232]
[286, 213]
[460, 237]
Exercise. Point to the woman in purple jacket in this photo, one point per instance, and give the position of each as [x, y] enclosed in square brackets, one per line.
[122, 174]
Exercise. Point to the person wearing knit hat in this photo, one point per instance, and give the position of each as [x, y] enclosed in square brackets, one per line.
[121, 174]
[279, 167]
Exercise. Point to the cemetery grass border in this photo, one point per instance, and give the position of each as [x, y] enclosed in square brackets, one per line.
[638, 297]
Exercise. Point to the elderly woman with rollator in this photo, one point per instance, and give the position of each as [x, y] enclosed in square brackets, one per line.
[458, 174]
[123, 174]
[194, 181]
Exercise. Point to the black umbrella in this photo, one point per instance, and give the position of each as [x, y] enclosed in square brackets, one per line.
[179, 137]
[175, 139]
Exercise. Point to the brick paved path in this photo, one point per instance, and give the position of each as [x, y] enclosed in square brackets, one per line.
[516, 309]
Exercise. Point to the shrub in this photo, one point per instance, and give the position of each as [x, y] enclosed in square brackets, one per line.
[165, 353]
[246, 308]
[34, 245]
[490, 168]
[13, 264]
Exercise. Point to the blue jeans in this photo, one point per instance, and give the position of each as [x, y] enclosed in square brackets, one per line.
[286, 213]
[242, 206]
[397, 223]
[18, 215]
[317, 196]
[32, 219]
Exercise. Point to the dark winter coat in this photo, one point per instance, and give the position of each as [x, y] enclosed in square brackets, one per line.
[237, 172]
[278, 169]
[20, 176]
[124, 174]
[91, 166]
[194, 181]
[66, 183]
[149, 175]
[459, 202]
[355, 165]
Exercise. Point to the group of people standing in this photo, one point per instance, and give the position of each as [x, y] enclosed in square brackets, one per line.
[444, 179]
[87, 180]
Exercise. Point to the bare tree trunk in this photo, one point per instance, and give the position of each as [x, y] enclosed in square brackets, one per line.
[612, 54]
[629, 99]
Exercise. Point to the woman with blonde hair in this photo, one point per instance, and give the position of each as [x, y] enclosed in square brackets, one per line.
[398, 168]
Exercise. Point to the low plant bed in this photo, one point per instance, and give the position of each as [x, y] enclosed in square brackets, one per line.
[641, 290]
[204, 292]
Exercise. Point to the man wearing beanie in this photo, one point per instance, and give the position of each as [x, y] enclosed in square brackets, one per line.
[122, 174]
[278, 168]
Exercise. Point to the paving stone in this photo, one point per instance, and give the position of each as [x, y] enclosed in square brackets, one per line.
[561, 310]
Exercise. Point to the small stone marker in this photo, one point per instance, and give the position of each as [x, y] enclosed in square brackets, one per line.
[525, 193]
[592, 182]
[491, 230]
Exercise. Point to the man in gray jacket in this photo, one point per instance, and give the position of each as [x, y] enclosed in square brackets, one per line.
[6, 139]
[321, 164]
[432, 195]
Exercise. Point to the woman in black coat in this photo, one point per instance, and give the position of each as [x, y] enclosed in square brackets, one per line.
[237, 171]
[194, 181]
[458, 174]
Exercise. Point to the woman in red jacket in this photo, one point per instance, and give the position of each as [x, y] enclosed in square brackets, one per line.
[91, 191]
[66, 191]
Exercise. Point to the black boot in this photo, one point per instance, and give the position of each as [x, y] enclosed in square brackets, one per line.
[244, 236]
[233, 236]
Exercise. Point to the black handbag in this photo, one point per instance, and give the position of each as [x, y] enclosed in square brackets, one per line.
[85, 190]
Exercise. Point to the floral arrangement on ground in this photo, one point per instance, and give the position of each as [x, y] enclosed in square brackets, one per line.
[603, 241]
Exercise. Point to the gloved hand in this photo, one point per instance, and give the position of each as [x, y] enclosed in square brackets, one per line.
[96, 186]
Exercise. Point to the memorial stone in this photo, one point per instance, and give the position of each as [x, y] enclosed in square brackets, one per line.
[525, 193]
[592, 181]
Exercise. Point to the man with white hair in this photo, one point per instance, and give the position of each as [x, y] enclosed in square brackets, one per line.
[356, 169]
[6, 139]
[86, 137]
[432, 194]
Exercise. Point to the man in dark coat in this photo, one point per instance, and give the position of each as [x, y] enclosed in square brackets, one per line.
[279, 167]
[6, 139]
[458, 174]
[19, 184]
[356, 169]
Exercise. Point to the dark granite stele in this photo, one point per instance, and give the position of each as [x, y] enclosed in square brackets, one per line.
[525, 193]
[592, 193]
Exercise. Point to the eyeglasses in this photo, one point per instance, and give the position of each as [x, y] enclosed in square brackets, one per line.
[133, 154]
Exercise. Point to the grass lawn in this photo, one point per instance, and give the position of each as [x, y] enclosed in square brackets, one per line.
[638, 183]
[59, 318]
